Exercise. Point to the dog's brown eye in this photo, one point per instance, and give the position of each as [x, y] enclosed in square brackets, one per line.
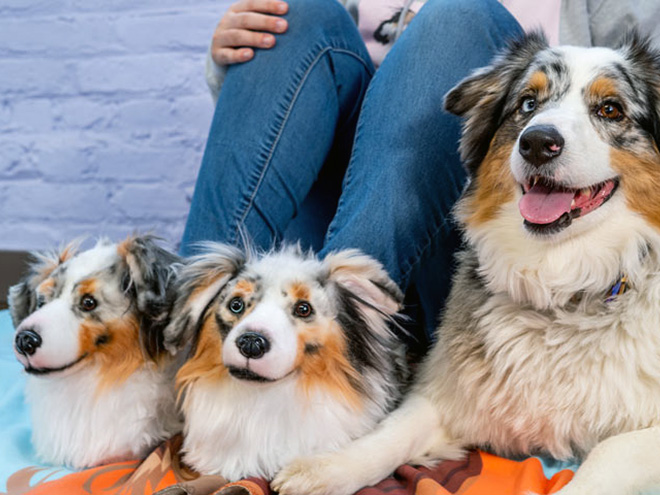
[610, 111]
[236, 305]
[88, 303]
[303, 309]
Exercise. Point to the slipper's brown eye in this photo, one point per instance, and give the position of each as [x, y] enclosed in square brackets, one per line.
[303, 309]
[236, 305]
[610, 111]
[88, 302]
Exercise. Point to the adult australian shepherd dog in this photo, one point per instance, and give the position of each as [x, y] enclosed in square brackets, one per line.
[541, 349]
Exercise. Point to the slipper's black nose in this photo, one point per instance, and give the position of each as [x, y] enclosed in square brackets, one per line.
[27, 342]
[252, 345]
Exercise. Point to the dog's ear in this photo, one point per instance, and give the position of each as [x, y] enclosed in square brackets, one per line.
[22, 296]
[480, 97]
[644, 66]
[22, 302]
[366, 279]
[199, 283]
[149, 278]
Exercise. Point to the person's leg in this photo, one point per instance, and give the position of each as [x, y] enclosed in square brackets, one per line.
[275, 123]
[405, 173]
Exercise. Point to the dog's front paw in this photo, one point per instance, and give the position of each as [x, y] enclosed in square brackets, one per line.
[320, 475]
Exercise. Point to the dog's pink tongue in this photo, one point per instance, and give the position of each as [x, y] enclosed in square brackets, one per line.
[542, 204]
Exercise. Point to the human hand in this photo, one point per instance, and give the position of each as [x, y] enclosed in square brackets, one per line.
[247, 24]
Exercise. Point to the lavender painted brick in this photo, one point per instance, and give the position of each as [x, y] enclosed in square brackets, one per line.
[83, 113]
[68, 36]
[32, 200]
[161, 201]
[103, 116]
[33, 115]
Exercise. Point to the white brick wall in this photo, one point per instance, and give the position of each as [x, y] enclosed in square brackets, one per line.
[103, 116]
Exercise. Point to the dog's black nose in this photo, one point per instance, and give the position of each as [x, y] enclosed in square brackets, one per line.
[540, 143]
[27, 342]
[252, 345]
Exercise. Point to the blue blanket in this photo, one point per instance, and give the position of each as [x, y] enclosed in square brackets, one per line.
[16, 452]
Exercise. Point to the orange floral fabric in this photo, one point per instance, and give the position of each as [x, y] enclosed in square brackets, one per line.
[162, 473]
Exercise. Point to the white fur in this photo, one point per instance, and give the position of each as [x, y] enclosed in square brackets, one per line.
[56, 322]
[74, 425]
[270, 320]
[548, 272]
[255, 429]
[58, 327]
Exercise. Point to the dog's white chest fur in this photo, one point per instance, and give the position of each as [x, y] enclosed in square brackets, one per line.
[562, 380]
[75, 425]
[237, 430]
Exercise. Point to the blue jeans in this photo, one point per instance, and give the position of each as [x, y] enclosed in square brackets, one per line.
[310, 143]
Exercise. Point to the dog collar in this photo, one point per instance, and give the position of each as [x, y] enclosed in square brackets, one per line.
[617, 289]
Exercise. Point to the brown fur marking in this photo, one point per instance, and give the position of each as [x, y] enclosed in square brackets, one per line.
[640, 180]
[538, 82]
[245, 286]
[300, 291]
[494, 186]
[46, 287]
[123, 248]
[120, 355]
[87, 286]
[328, 368]
[603, 88]
[206, 363]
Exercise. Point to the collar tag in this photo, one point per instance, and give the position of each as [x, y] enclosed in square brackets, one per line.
[617, 289]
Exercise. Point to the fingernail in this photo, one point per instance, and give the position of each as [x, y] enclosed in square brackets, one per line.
[268, 40]
[282, 7]
[280, 25]
[246, 54]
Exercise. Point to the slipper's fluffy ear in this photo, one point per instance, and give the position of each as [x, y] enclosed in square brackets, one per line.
[365, 279]
[199, 283]
[149, 278]
[368, 301]
[480, 97]
[22, 296]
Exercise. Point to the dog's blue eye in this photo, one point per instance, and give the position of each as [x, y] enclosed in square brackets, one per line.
[528, 105]
[236, 305]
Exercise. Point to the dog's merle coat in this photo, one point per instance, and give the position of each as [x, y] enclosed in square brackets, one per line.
[533, 354]
[322, 366]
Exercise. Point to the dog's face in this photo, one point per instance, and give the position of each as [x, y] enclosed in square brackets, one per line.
[106, 305]
[569, 134]
[282, 314]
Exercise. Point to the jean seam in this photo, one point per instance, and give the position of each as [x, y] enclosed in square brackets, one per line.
[405, 274]
[348, 177]
[289, 109]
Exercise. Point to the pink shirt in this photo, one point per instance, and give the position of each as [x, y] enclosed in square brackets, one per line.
[531, 15]
[377, 21]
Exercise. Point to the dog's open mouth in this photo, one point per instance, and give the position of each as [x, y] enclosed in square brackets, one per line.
[549, 207]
